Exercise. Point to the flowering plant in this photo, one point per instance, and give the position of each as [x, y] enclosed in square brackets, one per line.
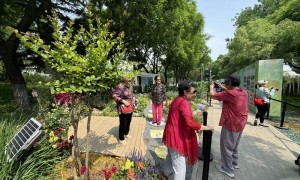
[83, 174]
[136, 167]
[57, 141]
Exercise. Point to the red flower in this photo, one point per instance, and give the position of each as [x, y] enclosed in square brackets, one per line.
[88, 178]
[107, 174]
[71, 137]
[82, 170]
[114, 169]
[57, 131]
[59, 140]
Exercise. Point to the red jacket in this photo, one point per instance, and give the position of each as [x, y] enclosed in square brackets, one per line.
[179, 133]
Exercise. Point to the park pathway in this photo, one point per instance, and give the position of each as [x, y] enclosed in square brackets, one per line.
[264, 152]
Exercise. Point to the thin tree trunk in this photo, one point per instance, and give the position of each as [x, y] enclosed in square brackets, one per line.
[298, 86]
[87, 149]
[75, 150]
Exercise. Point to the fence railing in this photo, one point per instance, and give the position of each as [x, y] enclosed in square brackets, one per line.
[283, 110]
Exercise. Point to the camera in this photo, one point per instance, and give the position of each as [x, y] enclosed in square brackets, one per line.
[217, 84]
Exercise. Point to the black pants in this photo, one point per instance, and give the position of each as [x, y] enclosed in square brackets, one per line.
[261, 112]
[124, 127]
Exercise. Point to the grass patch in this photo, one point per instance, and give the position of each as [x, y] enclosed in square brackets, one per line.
[37, 162]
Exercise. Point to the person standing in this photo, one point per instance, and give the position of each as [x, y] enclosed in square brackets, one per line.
[158, 98]
[179, 133]
[264, 93]
[123, 95]
[233, 120]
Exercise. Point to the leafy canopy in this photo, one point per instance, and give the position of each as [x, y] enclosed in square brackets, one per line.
[95, 70]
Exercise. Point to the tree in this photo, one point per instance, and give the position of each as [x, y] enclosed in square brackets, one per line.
[82, 75]
[21, 15]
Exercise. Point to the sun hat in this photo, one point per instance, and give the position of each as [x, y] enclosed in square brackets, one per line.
[260, 82]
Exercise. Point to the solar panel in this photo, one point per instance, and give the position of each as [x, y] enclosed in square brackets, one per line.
[23, 138]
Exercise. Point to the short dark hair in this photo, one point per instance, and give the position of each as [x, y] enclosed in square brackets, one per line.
[155, 78]
[185, 85]
[233, 81]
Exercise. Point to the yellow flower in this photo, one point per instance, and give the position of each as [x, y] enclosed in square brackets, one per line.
[55, 138]
[54, 146]
[51, 140]
[128, 165]
[51, 134]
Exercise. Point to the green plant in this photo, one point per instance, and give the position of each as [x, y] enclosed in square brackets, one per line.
[93, 69]
[142, 101]
[110, 109]
[38, 162]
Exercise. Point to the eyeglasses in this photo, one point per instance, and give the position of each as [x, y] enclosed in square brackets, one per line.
[158, 79]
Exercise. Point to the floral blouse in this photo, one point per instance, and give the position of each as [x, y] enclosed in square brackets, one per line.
[122, 92]
[158, 93]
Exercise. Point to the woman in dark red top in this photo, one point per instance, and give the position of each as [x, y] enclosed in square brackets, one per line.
[179, 134]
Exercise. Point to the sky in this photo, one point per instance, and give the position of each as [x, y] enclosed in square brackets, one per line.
[218, 15]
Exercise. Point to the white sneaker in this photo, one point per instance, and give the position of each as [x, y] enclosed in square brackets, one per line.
[263, 125]
[128, 136]
[123, 142]
[220, 168]
[153, 123]
[236, 166]
[161, 123]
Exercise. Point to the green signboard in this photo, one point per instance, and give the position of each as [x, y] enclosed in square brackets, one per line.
[268, 70]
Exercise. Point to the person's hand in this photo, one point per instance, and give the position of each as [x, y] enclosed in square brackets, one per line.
[222, 86]
[164, 103]
[207, 128]
[212, 86]
[126, 103]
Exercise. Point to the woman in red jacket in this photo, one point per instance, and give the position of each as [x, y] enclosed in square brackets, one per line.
[179, 134]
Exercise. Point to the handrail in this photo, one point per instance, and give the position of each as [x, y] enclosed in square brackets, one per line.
[283, 110]
[284, 102]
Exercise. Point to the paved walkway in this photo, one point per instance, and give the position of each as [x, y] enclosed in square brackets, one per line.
[265, 153]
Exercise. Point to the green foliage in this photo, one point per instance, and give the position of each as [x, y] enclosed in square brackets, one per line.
[269, 30]
[172, 88]
[55, 117]
[35, 163]
[8, 107]
[96, 70]
[142, 101]
[110, 109]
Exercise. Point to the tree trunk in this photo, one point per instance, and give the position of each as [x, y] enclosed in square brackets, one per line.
[75, 150]
[87, 149]
[14, 74]
[298, 86]
[8, 51]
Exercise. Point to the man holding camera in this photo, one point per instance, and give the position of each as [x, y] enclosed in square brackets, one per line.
[233, 120]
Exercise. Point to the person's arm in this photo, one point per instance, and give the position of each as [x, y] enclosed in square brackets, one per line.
[212, 91]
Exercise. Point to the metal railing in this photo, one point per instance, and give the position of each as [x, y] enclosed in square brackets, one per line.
[205, 152]
[283, 110]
